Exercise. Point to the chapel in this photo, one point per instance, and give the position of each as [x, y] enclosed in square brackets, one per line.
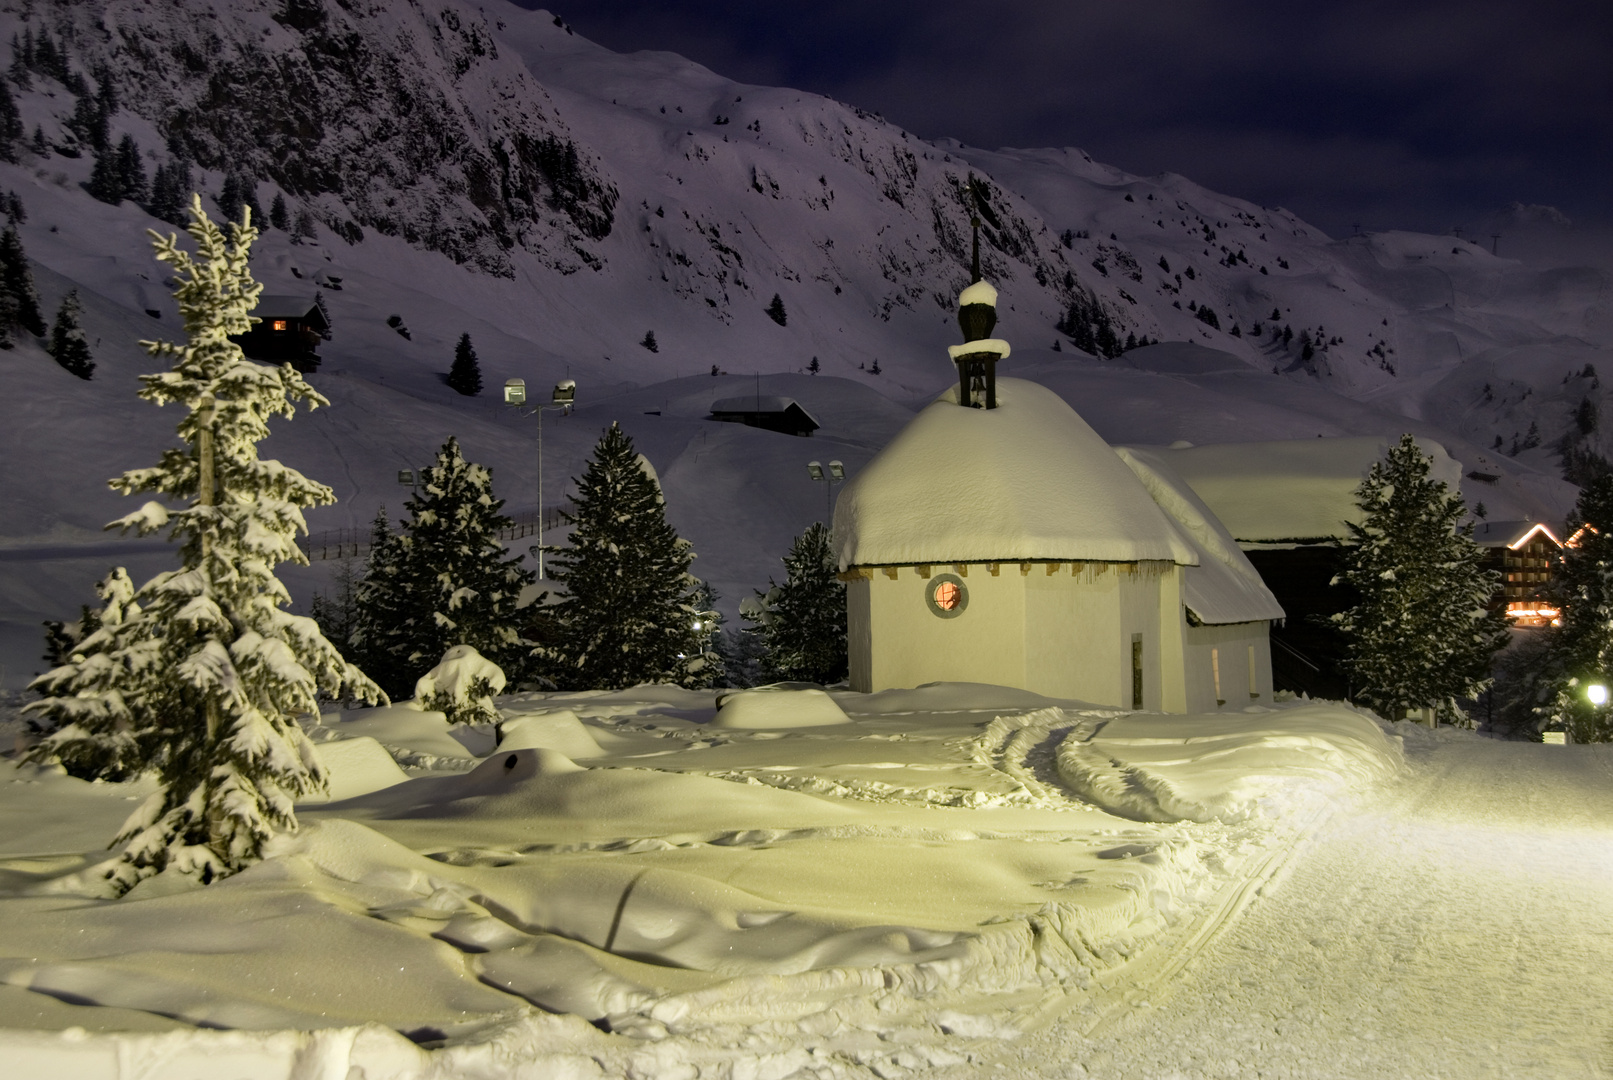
[998, 539]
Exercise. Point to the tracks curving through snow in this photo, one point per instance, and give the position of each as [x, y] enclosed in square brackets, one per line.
[1458, 923]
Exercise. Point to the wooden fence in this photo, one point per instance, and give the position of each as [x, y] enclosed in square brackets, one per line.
[352, 543]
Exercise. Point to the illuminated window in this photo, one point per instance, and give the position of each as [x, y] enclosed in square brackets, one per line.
[1215, 670]
[1254, 684]
[279, 324]
[946, 595]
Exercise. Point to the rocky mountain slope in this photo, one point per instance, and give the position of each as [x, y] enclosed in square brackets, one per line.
[447, 168]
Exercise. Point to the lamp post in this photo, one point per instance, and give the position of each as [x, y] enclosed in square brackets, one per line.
[563, 398]
[835, 475]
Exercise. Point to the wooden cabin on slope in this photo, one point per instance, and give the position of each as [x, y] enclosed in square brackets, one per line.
[289, 332]
[768, 412]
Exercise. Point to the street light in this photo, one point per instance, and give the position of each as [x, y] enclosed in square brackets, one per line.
[1597, 693]
[836, 474]
[563, 398]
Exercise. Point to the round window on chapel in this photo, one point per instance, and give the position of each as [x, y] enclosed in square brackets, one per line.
[947, 595]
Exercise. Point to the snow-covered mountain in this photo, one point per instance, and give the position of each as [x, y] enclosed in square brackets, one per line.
[483, 169]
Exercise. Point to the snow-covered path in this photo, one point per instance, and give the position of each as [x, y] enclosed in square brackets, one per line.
[1463, 927]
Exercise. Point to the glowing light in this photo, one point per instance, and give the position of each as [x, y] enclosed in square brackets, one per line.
[1597, 693]
[947, 595]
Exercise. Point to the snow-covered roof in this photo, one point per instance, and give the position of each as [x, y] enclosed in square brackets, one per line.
[764, 403]
[1026, 480]
[1512, 534]
[1294, 489]
[279, 306]
[1224, 587]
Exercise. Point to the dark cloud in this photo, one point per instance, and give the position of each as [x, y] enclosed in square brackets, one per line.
[1411, 114]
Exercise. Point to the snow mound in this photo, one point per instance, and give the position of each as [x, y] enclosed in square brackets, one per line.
[406, 730]
[760, 710]
[1226, 768]
[503, 770]
[560, 731]
[1026, 480]
[357, 767]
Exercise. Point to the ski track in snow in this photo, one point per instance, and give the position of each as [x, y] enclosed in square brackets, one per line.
[1459, 926]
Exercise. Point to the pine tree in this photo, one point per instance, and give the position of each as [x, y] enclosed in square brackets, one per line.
[803, 621]
[448, 581]
[1579, 651]
[17, 286]
[203, 683]
[170, 188]
[279, 217]
[1422, 635]
[230, 200]
[814, 367]
[67, 342]
[131, 171]
[106, 181]
[337, 614]
[630, 603]
[89, 123]
[304, 229]
[775, 310]
[11, 129]
[649, 341]
[465, 376]
[381, 604]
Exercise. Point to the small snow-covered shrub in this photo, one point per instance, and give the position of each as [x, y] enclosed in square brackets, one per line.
[461, 687]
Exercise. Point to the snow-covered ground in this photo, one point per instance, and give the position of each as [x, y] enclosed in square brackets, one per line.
[790, 885]
[956, 881]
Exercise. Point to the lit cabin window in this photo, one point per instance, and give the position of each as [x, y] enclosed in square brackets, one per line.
[1254, 685]
[280, 324]
[947, 595]
[1215, 669]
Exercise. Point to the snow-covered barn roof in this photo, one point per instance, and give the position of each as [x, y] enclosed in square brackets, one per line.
[1294, 489]
[1026, 480]
[1224, 587]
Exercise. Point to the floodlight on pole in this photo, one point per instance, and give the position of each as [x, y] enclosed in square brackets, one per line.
[835, 475]
[563, 398]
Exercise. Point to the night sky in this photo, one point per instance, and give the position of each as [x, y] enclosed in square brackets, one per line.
[1403, 114]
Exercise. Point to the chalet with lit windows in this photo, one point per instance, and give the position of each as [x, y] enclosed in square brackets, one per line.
[770, 413]
[1525, 554]
[289, 331]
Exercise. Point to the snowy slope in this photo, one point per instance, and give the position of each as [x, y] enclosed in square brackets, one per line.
[388, 114]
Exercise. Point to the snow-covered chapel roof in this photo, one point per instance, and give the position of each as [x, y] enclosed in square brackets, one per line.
[1026, 480]
[1224, 587]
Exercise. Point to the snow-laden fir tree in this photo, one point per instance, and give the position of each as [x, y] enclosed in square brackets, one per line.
[803, 621]
[454, 583]
[1423, 634]
[630, 606]
[68, 345]
[465, 376]
[19, 300]
[1579, 651]
[380, 601]
[199, 675]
